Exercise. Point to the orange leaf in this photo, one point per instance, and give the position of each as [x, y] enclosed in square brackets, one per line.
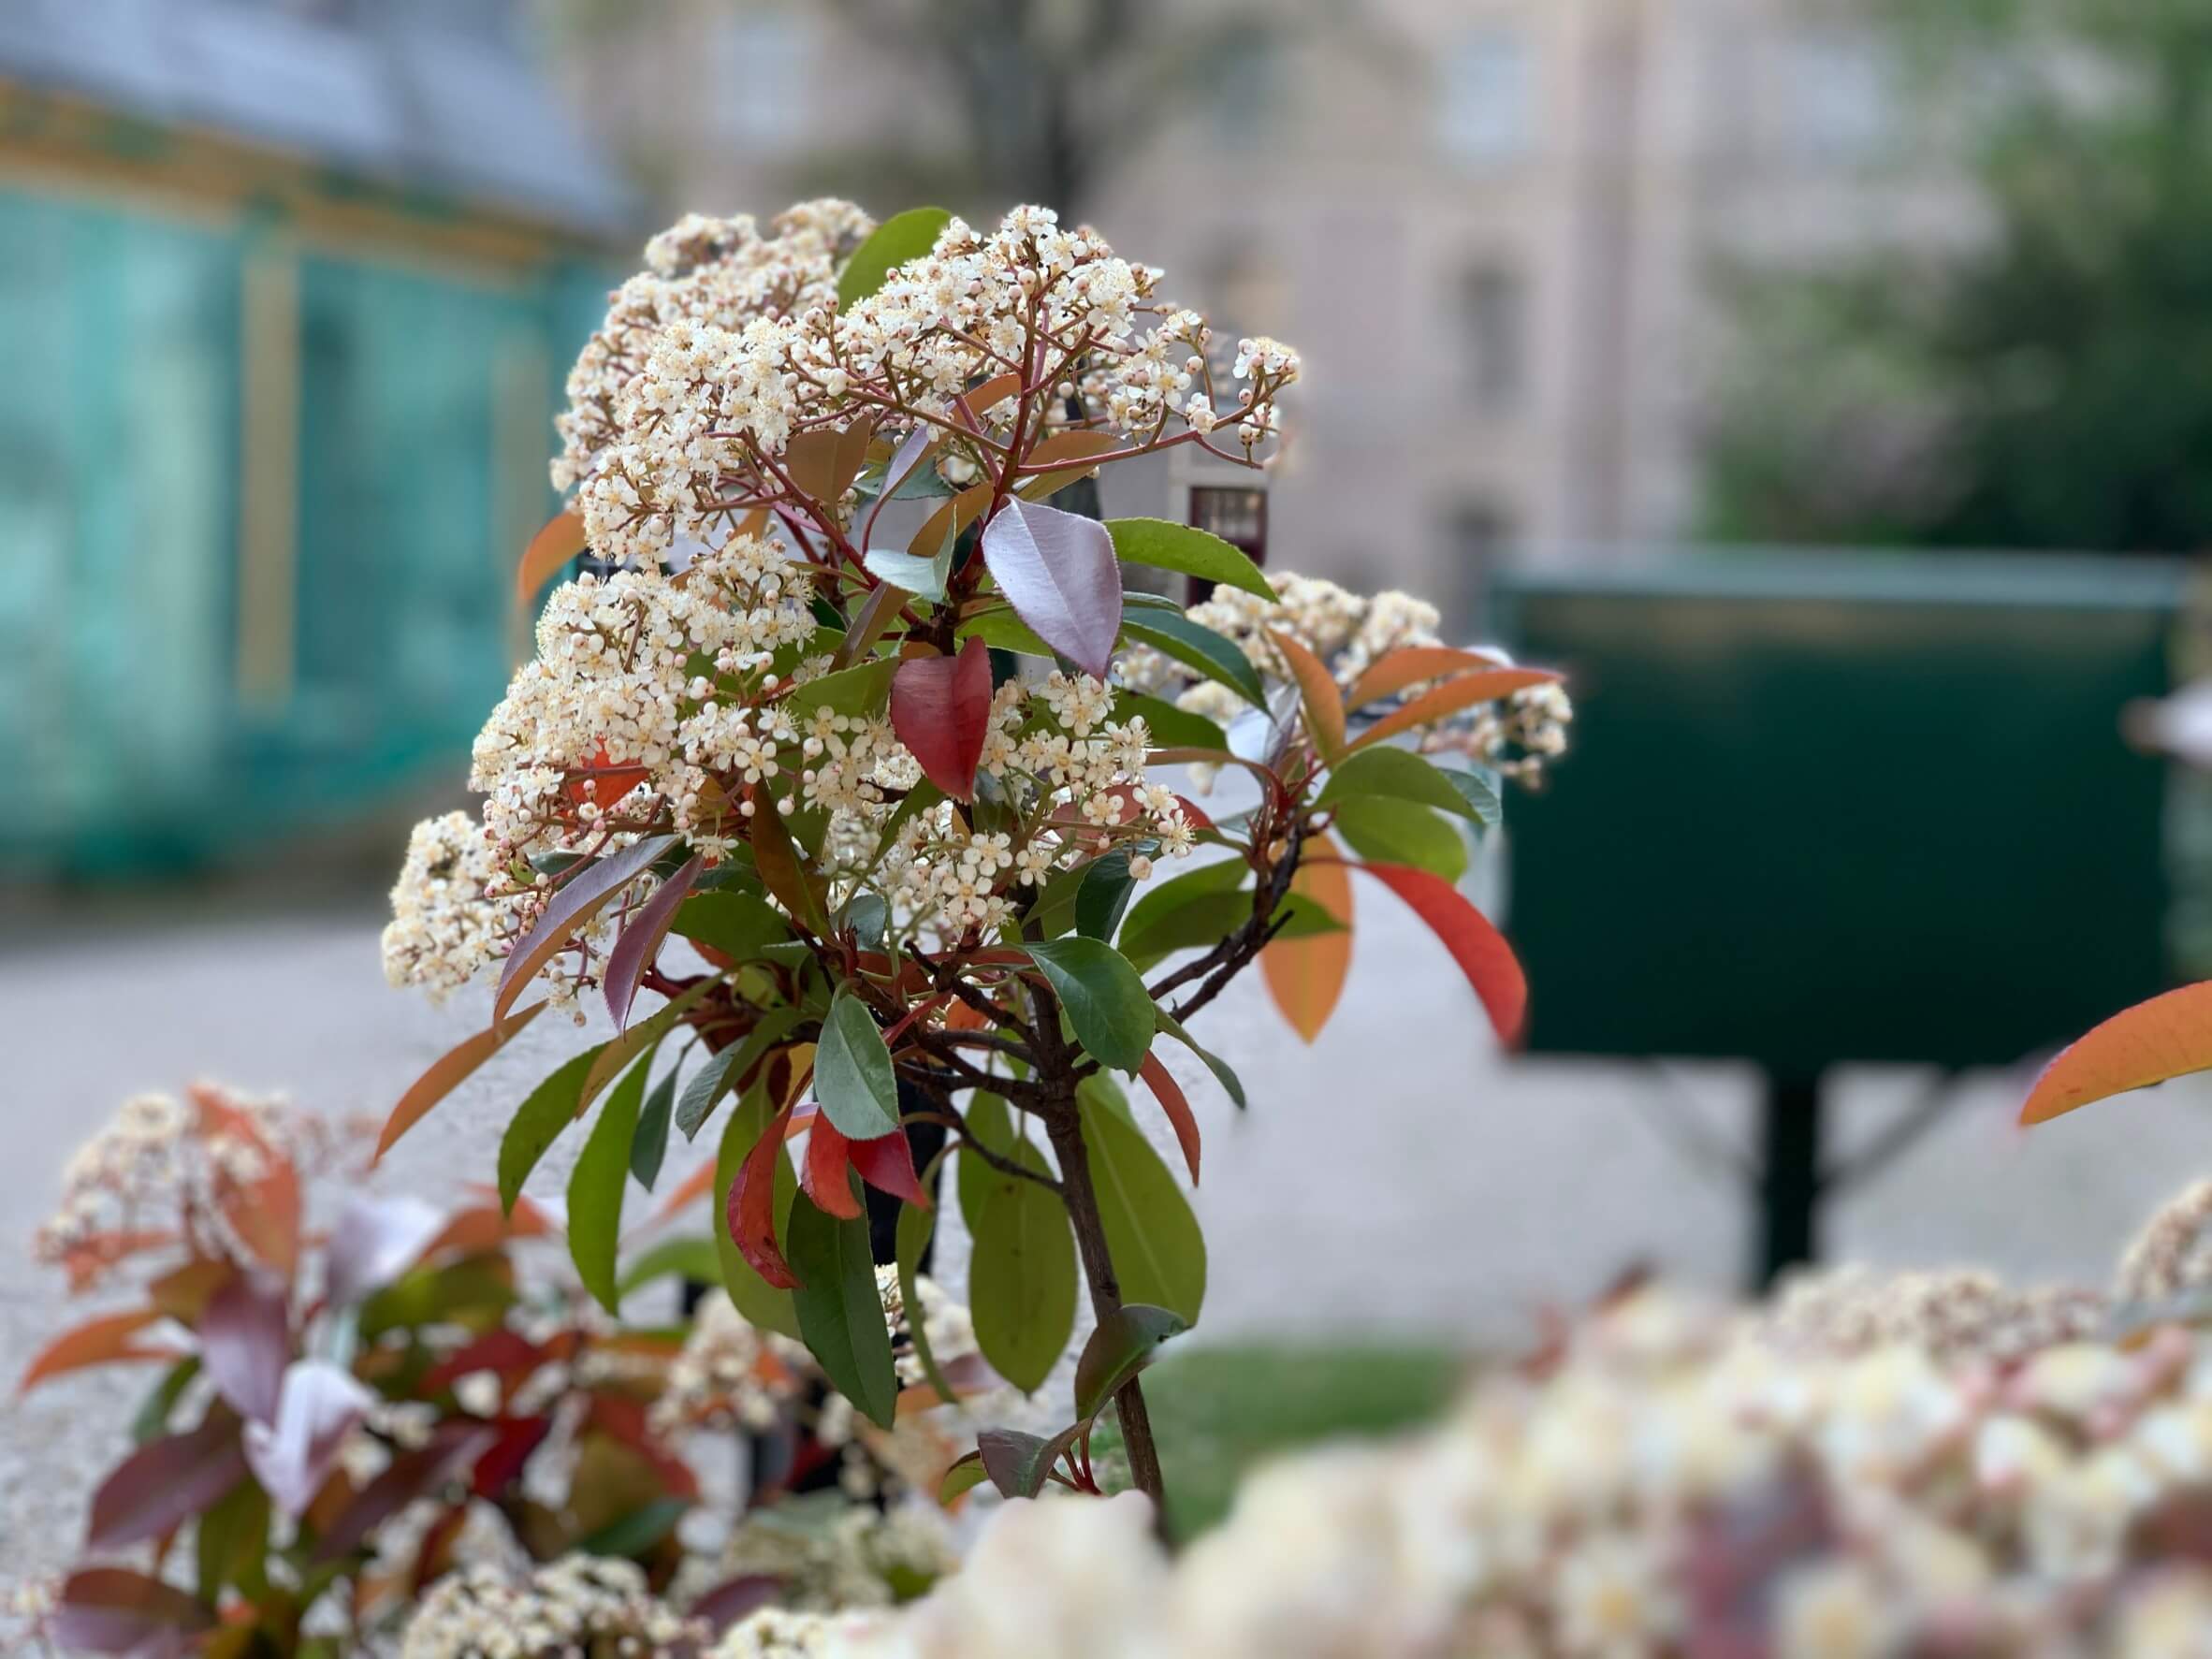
[1305, 975]
[1486, 686]
[1478, 948]
[2169, 1035]
[949, 520]
[1072, 446]
[992, 393]
[1177, 1106]
[553, 547]
[750, 1214]
[264, 1210]
[824, 1176]
[445, 1075]
[1316, 690]
[823, 463]
[104, 1341]
[182, 1293]
[1409, 665]
[693, 1186]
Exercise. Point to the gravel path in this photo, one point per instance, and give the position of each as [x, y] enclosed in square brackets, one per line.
[1399, 1175]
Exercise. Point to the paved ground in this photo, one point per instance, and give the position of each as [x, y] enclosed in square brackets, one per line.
[1398, 1175]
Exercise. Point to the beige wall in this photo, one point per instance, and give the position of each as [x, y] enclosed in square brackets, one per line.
[1595, 157]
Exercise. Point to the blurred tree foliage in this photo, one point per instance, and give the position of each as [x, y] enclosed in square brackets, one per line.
[2047, 383]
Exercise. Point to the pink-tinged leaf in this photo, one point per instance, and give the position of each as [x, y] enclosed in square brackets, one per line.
[1058, 572]
[887, 1163]
[1307, 976]
[2169, 1035]
[1485, 686]
[1177, 1106]
[453, 1444]
[1317, 692]
[164, 1484]
[824, 1175]
[245, 1341]
[375, 1239]
[553, 547]
[292, 1455]
[736, 1600]
[1410, 665]
[447, 1073]
[751, 1215]
[1081, 449]
[940, 708]
[501, 1463]
[1478, 948]
[578, 899]
[104, 1341]
[634, 953]
[109, 1609]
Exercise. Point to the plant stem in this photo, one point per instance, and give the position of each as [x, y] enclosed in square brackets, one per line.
[1065, 1127]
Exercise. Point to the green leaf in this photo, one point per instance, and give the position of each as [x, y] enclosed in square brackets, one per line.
[1220, 1068]
[1021, 1278]
[1162, 899]
[923, 577]
[1103, 895]
[693, 1258]
[1171, 727]
[1165, 544]
[723, 1070]
[1004, 631]
[990, 1123]
[1019, 1464]
[738, 925]
[1126, 1340]
[966, 1474]
[648, 1147]
[1158, 1253]
[853, 1074]
[842, 1311]
[153, 1420]
[1397, 773]
[863, 689]
[232, 1541]
[1389, 831]
[1202, 920]
[900, 238]
[1105, 1000]
[595, 1189]
[1197, 646]
[916, 1223]
[762, 1303]
[633, 1534]
[1480, 794]
[537, 1123]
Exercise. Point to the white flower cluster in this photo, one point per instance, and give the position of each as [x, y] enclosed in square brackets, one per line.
[779, 1633]
[729, 1372]
[451, 914]
[835, 1556]
[164, 1168]
[1869, 1467]
[671, 446]
[577, 1605]
[717, 272]
[1349, 631]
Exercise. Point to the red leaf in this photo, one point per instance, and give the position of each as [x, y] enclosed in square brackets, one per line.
[106, 1609]
[245, 1341]
[734, 1598]
[1307, 976]
[503, 1350]
[1478, 948]
[602, 779]
[407, 1477]
[1485, 686]
[824, 1176]
[104, 1341]
[553, 547]
[264, 1211]
[940, 707]
[1177, 1106]
[2168, 1036]
[624, 1421]
[634, 953]
[1059, 573]
[751, 1215]
[433, 1556]
[501, 1460]
[579, 899]
[445, 1075]
[887, 1163]
[164, 1484]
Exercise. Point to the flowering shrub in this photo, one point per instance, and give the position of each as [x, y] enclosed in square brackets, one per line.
[853, 710]
[344, 1420]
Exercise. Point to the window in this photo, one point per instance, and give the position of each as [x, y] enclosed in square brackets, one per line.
[1493, 326]
[1236, 513]
[763, 59]
[1487, 113]
[1836, 93]
[1477, 535]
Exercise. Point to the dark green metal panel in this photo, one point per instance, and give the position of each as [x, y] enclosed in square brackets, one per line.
[1826, 808]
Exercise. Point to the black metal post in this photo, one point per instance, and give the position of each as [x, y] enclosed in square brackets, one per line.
[1789, 1176]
